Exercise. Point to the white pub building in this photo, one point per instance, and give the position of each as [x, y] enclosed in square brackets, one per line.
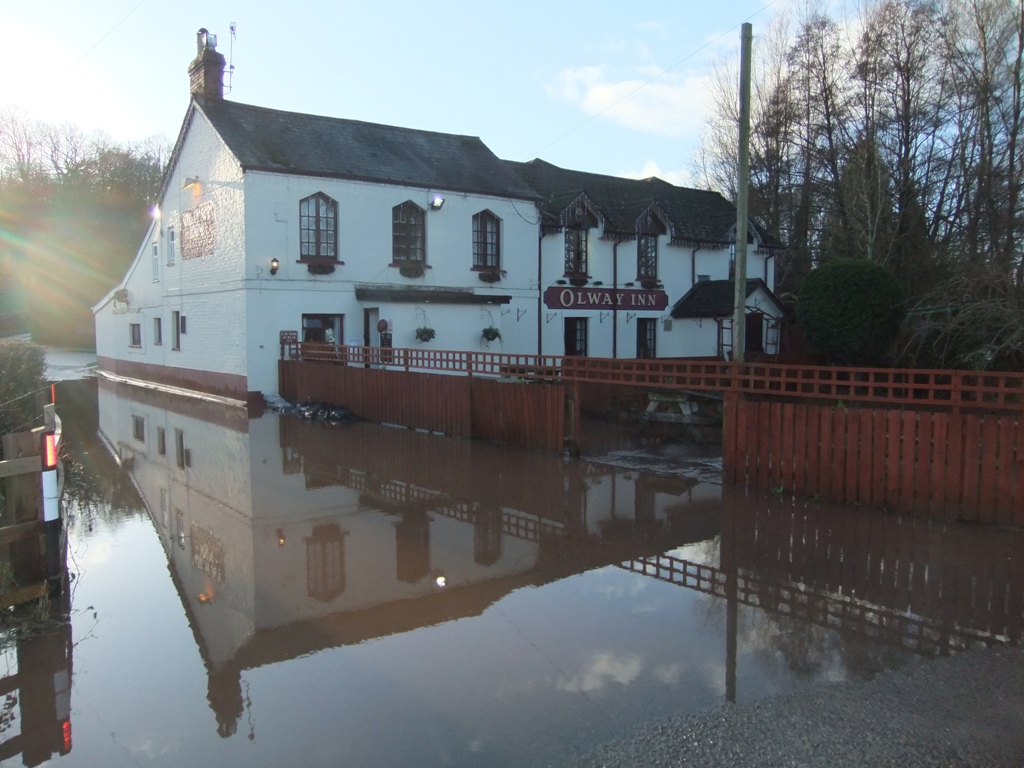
[363, 234]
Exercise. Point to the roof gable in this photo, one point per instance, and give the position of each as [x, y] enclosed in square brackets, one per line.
[714, 298]
[695, 215]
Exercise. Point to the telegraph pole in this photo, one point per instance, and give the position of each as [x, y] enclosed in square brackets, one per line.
[739, 317]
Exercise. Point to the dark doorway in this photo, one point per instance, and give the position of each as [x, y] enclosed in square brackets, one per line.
[754, 338]
[576, 336]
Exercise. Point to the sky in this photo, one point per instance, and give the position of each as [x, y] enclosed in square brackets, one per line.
[531, 79]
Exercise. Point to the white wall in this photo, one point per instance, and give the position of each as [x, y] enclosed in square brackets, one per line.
[677, 265]
[277, 302]
[207, 290]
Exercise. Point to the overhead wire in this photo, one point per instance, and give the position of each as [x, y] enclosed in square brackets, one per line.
[108, 34]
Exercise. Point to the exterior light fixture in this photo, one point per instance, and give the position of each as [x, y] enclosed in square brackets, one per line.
[189, 182]
[274, 264]
[440, 580]
[436, 202]
[155, 211]
[280, 537]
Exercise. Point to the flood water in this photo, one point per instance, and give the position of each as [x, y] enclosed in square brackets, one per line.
[268, 592]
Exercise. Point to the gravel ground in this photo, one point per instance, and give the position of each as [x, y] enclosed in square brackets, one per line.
[965, 711]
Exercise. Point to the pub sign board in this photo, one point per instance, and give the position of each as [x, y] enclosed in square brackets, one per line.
[561, 297]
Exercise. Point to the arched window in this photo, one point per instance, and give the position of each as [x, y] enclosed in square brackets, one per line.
[486, 240]
[318, 227]
[408, 233]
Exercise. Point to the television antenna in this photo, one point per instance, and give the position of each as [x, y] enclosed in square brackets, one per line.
[231, 56]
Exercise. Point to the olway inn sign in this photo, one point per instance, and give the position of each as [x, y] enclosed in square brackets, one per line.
[563, 297]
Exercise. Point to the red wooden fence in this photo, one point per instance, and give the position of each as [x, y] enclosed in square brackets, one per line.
[526, 415]
[884, 386]
[947, 444]
[946, 465]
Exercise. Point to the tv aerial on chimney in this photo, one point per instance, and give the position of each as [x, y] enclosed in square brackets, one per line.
[231, 55]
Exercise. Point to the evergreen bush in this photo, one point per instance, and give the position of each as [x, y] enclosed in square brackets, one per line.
[850, 311]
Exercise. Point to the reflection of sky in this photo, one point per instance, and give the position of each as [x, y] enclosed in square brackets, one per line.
[545, 672]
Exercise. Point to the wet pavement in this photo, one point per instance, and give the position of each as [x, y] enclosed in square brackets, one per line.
[269, 591]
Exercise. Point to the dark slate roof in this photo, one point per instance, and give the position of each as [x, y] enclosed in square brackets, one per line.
[696, 215]
[310, 145]
[714, 298]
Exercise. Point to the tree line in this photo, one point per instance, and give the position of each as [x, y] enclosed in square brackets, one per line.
[73, 208]
[893, 135]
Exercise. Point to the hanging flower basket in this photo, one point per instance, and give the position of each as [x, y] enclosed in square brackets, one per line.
[411, 270]
[490, 334]
[425, 334]
[489, 276]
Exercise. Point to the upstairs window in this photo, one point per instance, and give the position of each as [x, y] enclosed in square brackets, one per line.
[647, 257]
[170, 246]
[318, 227]
[486, 240]
[575, 251]
[156, 262]
[408, 233]
[135, 334]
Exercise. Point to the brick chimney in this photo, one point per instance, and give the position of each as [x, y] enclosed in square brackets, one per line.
[206, 72]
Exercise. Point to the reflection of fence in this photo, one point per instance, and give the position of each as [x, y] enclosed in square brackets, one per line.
[832, 611]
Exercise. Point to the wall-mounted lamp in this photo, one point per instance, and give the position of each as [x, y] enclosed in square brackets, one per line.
[155, 211]
[280, 537]
[436, 202]
[189, 182]
[274, 264]
[440, 580]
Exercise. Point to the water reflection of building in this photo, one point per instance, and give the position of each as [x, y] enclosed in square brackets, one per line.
[286, 537]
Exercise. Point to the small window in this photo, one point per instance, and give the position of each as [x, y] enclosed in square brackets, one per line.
[158, 332]
[139, 428]
[318, 227]
[161, 441]
[328, 329]
[135, 334]
[703, 278]
[647, 257]
[156, 262]
[486, 240]
[408, 233]
[646, 337]
[575, 251]
[170, 246]
[182, 324]
[176, 330]
[576, 336]
[179, 449]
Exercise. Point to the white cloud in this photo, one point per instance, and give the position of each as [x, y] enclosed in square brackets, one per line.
[672, 105]
[668, 674]
[651, 26]
[682, 177]
[603, 669]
